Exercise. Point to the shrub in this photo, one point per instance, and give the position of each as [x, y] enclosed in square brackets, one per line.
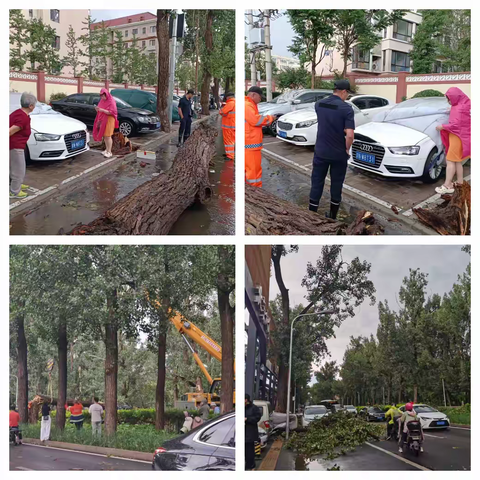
[428, 93]
[58, 96]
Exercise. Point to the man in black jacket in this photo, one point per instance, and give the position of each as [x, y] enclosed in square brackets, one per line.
[252, 417]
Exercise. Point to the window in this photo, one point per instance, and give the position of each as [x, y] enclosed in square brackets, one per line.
[126, 33]
[307, 98]
[144, 43]
[56, 43]
[78, 98]
[361, 103]
[152, 43]
[30, 13]
[153, 29]
[144, 30]
[402, 30]
[361, 59]
[375, 102]
[126, 44]
[222, 433]
[400, 62]
[135, 31]
[55, 16]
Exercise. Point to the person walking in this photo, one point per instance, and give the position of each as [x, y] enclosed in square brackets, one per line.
[106, 121]
[228, 125]
[185, 112]
[254, 122]
[456, 138]
[96, 414]
[76, 414]
[252, 417]
[204, 410]
[336, 125]
[46, 422]
[20, 132]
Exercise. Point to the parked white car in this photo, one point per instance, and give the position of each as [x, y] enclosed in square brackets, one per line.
[430, 417]
[403, 141]
[370, 105]
[266, 410]
[351, 409]
[314, 412]
[54, 136]
[300, 127]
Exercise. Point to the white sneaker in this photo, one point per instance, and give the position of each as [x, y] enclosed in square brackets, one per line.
[443, 190]
[400, 450]
[421, 449]
[108, 154]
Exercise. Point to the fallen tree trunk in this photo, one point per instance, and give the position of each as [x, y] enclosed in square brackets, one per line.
[453, 216]
[266, 214]
[153, 208]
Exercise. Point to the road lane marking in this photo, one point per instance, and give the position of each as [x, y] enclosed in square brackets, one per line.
[89, 453]
[434, 436]
[460, 428]
[409, 462]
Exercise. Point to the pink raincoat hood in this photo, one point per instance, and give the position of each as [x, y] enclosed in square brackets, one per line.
[459, 122]
[102, 118]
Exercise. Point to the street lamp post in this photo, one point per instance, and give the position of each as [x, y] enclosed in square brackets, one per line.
[322, 312]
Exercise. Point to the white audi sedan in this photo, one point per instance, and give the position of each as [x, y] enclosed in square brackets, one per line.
[430, 417]
[300, 127]
[54, 136]
[403, 141]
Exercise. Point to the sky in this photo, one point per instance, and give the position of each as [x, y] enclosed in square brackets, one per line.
[390, 264]
[281, 34]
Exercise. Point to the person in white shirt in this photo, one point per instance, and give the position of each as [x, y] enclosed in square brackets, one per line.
[96, 412]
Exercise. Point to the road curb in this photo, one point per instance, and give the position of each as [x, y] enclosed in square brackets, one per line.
[113, 452]
[413, 224]
[70, 184]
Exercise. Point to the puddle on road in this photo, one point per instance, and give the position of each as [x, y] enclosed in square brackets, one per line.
[292, 186]
[60, 215]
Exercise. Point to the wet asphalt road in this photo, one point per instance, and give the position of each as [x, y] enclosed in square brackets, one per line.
[29, 457]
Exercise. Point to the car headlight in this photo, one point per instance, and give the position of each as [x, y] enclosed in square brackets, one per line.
[143, 119]
[306, 124]
[47, 137]
[404, 150]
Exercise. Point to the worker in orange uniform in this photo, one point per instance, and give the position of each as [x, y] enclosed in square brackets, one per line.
[228, 125]
[254, 122]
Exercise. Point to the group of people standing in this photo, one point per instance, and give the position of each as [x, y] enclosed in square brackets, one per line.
[203, 413]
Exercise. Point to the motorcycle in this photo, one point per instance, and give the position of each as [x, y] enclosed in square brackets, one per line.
[15, 436]
[414, 437]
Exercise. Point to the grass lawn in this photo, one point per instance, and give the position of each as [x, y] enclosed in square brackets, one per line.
[458, 418]
[141, 438]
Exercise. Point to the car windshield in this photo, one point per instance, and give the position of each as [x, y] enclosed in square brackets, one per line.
[375, 410]
[315, 411]
[424, 409]
[287, 96]
[43, 108]
[350, 407]
[122, 103]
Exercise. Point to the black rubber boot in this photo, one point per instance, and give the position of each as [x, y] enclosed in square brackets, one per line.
[312, 207]
[333, 211]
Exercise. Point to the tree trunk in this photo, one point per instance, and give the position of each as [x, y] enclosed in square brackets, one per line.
[453, 217]
[111, 367]
[22, 369]
[205, 61]
[62, 374]
[216, 91]
[163, 39]
[153, 208]
[227, 84]
[415, 393]
[160, 391]
[282, 388]
[175, 390]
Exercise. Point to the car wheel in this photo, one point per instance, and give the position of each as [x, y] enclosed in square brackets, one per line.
[126, 128]
[432, 170]
[273, 128]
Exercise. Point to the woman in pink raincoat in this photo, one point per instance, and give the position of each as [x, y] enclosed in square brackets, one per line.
[106, 121]
[456, 138]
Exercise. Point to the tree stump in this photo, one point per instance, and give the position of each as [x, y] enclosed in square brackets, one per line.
[121, 145]
[266, 214]
[153, 208]
[453, 216]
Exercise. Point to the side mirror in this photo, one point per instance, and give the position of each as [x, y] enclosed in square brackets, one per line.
[296, 102]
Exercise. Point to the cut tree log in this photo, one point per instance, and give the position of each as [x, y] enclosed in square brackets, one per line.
[453, 216]
[153, 208]
[266, 214]
[121, 145]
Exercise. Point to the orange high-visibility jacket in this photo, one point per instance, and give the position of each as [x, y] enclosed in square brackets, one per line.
[228, 114]
[253, 125]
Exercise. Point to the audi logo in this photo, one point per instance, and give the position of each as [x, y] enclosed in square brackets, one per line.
[366, 148]
[76, 135]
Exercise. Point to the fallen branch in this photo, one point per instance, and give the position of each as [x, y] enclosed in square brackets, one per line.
[453, 216]
[153, 208]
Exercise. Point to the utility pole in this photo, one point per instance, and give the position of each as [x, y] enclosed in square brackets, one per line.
[268, 56]
[173, 61]
[253, 67]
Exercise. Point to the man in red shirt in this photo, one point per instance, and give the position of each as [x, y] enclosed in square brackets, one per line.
[19, 134]
[14, 421]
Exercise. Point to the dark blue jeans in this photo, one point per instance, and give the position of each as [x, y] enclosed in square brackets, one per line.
[338, 170]
[185, 125]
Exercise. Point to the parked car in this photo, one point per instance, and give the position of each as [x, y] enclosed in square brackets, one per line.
[145, 100]
[208, 447]
[370, 105]
[403, 141]
[54, 136]
[314, 412]
[336, 407]
[263, 436]
[372, 414]
[430, 417]
[351, 409]
[289, 102]
[300, 127]
[328, 404]
[266, 409]
[132, 121]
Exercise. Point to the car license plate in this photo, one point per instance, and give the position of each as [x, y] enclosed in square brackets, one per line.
[77, 144]
[158, 124]
[441, 423]
[282, 134]
[365, 157]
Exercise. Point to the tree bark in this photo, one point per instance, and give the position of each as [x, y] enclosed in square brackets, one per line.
[160, 391]
[453, 217]
[62, 375]
[111, 366]
[163, 39]
[216, 91]
[205, 60]
[22, 369]
[153, 208]
[415, 393]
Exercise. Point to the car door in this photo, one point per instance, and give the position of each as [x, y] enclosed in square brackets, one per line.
[223, 437]
[374, 105]
[78, 106]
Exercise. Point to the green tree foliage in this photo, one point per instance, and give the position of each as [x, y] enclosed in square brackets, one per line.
[42, 52]
[89, 41]
[443, 36]
[74, 53]
[293, 78]
[18, 39]
[326, 383]
[119, 58]
[102, 49]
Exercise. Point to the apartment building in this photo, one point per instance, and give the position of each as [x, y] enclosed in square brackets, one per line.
[285, 62]
[60, 20]
[390, 55]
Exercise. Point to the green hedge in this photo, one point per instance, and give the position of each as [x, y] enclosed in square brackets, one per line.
[57, 96]
[428, 93]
